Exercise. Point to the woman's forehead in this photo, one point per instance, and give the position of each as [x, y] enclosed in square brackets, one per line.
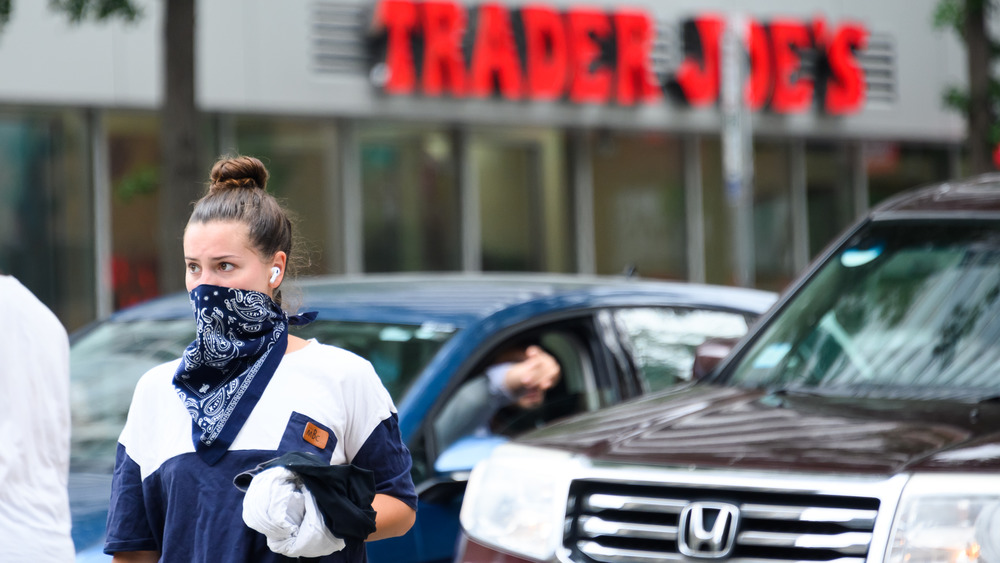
[216, 235]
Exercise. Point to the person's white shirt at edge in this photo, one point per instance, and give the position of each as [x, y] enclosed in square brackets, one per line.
[34, 430]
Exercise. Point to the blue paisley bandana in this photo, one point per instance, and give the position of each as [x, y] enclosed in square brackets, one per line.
[242, 336]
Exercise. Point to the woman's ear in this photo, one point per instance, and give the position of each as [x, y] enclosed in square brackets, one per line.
[278, 268]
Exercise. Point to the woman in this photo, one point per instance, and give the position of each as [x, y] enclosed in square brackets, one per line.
[244, 393]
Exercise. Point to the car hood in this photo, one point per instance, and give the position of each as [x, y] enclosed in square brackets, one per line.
[720, 427]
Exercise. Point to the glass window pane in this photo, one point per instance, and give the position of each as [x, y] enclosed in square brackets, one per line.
[639, 214]
[719, 268]
[525, 209]
[829, 193]
[772, 212]
[410, 199]
[46, 210]
[895, 167]
[664, 339]
[133, 140]
[297, 154]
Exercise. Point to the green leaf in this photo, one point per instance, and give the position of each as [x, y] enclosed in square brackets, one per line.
[994, 134]
[79, 10]
[138, 182]
[950, 14]
[4, 12]
[956, 98]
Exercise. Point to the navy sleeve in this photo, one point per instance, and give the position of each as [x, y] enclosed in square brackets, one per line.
[128, 528]
[385, 454]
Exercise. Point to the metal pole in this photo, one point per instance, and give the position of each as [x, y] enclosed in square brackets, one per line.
[101, 174]
[737, 148]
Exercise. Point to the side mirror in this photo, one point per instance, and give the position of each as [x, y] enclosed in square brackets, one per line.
[453, 467]
[709, 354]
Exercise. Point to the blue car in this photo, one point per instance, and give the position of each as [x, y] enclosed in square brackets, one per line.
[426, 335]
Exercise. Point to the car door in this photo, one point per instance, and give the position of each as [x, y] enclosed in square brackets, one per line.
[585, 384]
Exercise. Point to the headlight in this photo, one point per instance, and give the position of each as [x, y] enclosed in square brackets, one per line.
[948, 519]
[516, 500]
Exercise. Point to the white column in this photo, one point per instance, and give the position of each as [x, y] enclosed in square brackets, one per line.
[101, 174]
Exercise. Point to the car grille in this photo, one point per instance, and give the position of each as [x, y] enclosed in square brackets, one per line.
[624, 523]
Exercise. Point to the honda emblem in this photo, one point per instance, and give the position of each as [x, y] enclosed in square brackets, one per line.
[707, 529]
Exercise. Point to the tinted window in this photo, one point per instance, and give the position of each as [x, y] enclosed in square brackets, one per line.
[903, 309]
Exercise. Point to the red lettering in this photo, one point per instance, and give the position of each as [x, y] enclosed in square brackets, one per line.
[634, 32]
[495, 54]
[398, 17]
[546, 56]
[845, 89]
[700, 80]
[444, 68]
[759, 86]
[589, 83]
[792, 94]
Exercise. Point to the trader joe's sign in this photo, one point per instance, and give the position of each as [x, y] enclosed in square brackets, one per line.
[591, 56]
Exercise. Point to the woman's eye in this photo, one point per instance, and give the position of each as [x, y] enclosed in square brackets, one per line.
[193, 268]
[226, 267]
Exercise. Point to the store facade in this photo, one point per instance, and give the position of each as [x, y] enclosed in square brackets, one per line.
[468, 136]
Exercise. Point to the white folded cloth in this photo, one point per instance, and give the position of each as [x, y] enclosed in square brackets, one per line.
[279, 506]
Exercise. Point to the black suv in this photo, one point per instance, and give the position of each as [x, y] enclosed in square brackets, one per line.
[858, 422]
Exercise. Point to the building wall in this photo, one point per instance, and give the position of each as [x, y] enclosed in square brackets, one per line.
[386, 183]
[257, 56]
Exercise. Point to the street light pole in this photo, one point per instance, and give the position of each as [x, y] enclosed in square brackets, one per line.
[737, 147]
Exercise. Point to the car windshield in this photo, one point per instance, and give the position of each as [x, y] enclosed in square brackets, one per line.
[904, 310]
[106, 363]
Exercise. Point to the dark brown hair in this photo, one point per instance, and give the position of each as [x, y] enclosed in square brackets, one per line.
[237, 192]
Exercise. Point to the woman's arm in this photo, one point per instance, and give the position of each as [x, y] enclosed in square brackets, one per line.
[393, 517]
[136, 557]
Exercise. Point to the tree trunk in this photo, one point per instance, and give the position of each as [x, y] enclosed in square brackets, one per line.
[180, 176]
[980, 114]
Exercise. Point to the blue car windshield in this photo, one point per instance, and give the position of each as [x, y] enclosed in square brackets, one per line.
[106, 363]
[905, 310]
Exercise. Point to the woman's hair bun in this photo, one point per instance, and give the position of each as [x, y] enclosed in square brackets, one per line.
[238, 172]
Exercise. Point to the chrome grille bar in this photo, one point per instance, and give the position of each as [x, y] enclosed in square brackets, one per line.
[593, 526]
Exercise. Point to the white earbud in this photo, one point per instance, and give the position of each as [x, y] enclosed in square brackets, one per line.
[275, 271]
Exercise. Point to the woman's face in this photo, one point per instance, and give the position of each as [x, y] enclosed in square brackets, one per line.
[219, 253]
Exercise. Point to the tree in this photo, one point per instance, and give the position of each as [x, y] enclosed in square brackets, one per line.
[981, 100]
[181, 177]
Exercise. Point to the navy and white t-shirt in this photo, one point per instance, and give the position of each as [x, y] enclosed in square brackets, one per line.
[322, 400]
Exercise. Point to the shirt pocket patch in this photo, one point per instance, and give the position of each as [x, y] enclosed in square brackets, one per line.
[304, 434]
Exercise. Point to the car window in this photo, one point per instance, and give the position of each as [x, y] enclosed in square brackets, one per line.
[472, 410]
[663, 339]
[105, 364]
[901, 311]
[397, 352]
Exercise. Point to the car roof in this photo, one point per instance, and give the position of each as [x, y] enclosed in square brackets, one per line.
[976, 196]
[460, 299]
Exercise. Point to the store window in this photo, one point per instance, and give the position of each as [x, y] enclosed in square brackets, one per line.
[829, 193]
[46, 210]
[525, 208]
[639, 214]
[133, 148]
[772, 215]
[300, 156]
[718, 216]
[896, 167]
[410, 198]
